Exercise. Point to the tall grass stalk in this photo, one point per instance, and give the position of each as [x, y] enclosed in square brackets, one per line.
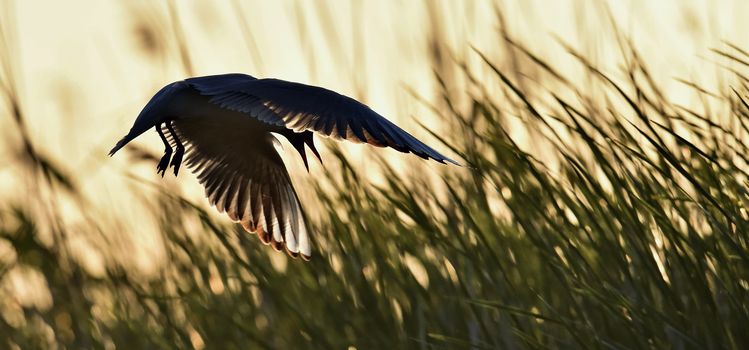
[624, 226]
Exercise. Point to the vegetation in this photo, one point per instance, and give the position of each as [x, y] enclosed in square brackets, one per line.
[622, 226]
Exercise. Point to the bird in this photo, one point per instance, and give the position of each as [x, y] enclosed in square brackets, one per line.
[222, 126]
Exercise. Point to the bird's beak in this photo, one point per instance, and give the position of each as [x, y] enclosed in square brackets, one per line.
[119, 145]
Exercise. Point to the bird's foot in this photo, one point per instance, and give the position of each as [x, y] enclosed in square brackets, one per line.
[164, 162]
[177, 160]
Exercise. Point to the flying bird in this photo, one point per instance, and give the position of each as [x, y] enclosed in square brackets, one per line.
[221, 126]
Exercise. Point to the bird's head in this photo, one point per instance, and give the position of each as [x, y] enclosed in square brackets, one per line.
[154, 113]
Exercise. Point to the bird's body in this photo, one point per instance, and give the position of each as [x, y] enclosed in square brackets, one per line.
[222, 126]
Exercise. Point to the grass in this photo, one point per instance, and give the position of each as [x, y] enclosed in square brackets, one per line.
[623, 227]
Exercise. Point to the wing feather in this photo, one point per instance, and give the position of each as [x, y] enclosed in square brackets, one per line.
[245, 178]
[304, 107]
[240, 201]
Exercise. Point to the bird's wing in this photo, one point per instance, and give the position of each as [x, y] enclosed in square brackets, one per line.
[245, 177]
[303, 107]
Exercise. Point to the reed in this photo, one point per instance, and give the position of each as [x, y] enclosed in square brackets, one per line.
[623, 226]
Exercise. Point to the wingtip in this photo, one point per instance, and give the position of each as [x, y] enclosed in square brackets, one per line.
[453, 162]
[279, 246]
[298, 254]
[443, 160]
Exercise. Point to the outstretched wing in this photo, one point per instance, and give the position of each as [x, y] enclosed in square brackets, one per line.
[304, 107]
[245, 177]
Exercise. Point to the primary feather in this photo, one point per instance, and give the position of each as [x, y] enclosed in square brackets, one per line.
[304, 107]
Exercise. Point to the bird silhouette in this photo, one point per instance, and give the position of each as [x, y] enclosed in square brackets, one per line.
[221, 125]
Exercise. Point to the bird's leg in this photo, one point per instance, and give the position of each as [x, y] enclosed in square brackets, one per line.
[180, 149]
[164, 162]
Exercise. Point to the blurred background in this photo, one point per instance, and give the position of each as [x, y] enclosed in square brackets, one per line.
[603, 204]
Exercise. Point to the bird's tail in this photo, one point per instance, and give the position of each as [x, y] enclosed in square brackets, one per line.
[298, 140]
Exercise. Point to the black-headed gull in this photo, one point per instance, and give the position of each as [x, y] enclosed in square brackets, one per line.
[222, 125]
